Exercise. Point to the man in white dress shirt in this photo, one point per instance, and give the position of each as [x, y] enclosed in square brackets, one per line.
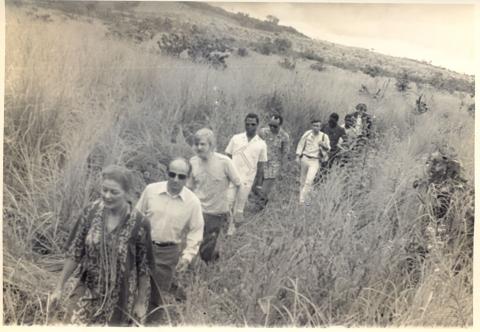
[249, 154]
[175, 214]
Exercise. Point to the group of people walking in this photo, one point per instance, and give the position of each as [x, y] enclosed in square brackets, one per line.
[125, 256]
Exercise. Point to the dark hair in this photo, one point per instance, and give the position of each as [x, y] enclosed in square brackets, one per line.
[185, 161]
[349, 116]
[334, 116]
[119, 174]
[315, 120]
[361, 106]
[252, 116]
[279, 117]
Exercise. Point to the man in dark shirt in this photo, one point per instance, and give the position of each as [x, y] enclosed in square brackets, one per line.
[334, 132]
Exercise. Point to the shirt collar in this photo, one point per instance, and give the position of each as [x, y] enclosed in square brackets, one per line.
[254, 137]
[162, 189]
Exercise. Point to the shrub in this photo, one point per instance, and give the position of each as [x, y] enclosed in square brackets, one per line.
[372, 71]
[278, 46]
[288, 63]
[242, 52]
[403, 82]
[199, 48]
[282, 45]
[310, 54]
[318, 66]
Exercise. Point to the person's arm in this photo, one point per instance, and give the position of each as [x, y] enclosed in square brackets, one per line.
[190, 180]
[68, 267]
[144, 255]
[75, 250]
[142, 202]
[263, 158]
[326, 142]
[232, 173]
[229, 149]
[285, 149]
[194, 235]
[260, 172]
[301, 146]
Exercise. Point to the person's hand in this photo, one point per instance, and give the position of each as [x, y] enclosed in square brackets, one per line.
[182, 265]
[55, 298]
[140, 310]
[297, 159]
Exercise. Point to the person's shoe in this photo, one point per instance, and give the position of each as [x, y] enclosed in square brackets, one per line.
[231, 229]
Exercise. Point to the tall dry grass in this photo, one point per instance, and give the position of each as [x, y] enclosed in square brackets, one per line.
[76, 101]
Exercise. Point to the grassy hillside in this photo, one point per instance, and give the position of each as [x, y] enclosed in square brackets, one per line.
[79, 96]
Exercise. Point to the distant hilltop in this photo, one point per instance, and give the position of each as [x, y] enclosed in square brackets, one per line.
[222, 30]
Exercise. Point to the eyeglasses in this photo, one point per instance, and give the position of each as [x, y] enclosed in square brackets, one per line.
[172, 175]
[273, 126]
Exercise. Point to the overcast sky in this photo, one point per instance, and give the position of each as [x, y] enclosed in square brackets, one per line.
[440, 33]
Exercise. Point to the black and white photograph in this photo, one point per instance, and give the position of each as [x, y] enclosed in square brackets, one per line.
[239, 164]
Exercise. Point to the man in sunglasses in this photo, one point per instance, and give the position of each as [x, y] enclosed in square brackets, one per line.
[249, 154]
[175, 214]
[212, 173]
[278, 143]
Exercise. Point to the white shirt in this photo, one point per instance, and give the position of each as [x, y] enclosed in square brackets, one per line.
[312, 145]
[246, 154]
[170, 216]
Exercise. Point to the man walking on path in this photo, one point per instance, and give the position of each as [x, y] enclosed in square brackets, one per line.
[175, 214]
[312, 148]
[335, 133]
[212, 173]
[278, 143]
[249, 154]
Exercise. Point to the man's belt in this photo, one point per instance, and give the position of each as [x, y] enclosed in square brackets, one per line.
[164, 244]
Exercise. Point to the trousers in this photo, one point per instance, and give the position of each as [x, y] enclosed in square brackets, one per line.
[308, 170]
[214, 223]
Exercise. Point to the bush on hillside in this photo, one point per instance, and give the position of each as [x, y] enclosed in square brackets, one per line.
[403, 82]
[242, 51]
[310, 54]
[372, 71]
[318, 66]
[288, 63]
[278, 46]
[198, 47]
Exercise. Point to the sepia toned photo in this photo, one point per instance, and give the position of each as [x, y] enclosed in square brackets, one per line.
[239, 164]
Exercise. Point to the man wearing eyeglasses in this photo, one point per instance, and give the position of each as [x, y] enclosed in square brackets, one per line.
[249, 154]
[175, 214]
[278, 143]
[212, 173]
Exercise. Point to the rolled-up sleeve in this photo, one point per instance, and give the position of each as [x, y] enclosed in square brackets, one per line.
[195, 232]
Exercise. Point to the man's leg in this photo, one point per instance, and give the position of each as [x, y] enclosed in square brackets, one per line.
[241, 201]
[166, 260]
[303, 176]
[267, 187]
[211, 230]
[313, 166]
